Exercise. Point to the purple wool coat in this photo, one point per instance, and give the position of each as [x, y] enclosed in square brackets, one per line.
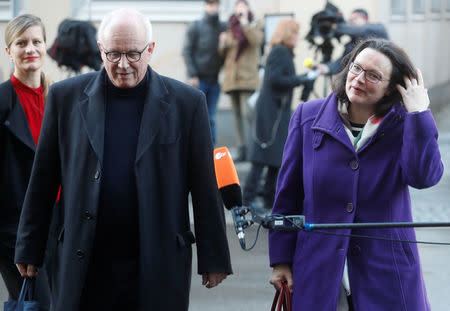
[323, 178]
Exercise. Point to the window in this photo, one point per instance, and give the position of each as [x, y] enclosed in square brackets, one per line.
[419, 7]
[163, 10]
[398, 7]
[435, 6]
[6, 9]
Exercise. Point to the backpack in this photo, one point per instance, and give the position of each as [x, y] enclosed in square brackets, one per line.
[76, 46]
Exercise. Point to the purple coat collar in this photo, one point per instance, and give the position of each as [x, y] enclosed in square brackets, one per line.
[328, 120]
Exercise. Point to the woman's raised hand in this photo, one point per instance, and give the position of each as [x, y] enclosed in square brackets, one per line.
[414, 94]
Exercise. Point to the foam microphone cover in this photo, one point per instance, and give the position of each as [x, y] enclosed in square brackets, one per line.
[227, 178]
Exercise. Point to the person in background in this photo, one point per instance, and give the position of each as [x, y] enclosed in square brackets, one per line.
[240, 47]
[349, 158]
[273, 112]
[202, 58]
[127, 146]
[21, 112]
[358, 28]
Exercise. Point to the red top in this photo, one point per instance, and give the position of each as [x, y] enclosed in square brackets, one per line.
[33, 105]
[32, 101]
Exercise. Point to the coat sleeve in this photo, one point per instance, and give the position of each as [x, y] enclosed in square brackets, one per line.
[366, 31]
[209, 220]
[189, 49]
[420, 157]
[254, 33]
[276, 68]
[223, 49]
[41, 192]
[289, 194]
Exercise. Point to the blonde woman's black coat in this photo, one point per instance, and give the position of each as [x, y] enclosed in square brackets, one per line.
[273, 107]
[17, 149]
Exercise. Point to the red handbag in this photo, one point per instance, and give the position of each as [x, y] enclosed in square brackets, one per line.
[282, 299]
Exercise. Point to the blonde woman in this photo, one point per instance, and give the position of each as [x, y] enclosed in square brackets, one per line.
[21, 111]
[273, 111]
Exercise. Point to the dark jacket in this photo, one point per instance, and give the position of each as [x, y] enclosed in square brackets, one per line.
[356, 33]
[17, 150]
[200, 48]
[173, 159]
[273, 107]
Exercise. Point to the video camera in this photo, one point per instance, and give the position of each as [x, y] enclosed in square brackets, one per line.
[323, 30]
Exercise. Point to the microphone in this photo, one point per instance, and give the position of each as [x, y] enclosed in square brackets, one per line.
[230, 190]
[314, 71]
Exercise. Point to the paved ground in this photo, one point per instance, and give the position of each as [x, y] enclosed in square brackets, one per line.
[248, 289]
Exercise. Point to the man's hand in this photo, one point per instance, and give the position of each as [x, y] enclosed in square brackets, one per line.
[194, 81]
[27, 270]
[212, 279]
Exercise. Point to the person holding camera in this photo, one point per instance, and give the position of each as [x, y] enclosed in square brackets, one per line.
[358, 28]
[240, 48]
[351, 158]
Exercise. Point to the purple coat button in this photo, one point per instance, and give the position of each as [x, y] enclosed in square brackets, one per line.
[356, 250]
[354, 164]
[349, 208]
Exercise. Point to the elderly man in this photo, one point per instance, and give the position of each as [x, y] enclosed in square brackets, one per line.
[127, 146]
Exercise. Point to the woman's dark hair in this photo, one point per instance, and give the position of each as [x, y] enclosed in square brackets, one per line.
[401, 66]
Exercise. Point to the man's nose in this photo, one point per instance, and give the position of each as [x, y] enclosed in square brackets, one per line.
[123, 63]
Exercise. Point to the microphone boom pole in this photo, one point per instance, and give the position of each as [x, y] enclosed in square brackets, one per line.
[230, 190]
[369, 225]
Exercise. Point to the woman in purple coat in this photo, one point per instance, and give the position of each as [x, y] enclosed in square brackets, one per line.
[350, 157]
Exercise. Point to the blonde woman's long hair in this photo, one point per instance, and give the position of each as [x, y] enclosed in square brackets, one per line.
[283, 32]
[18, 26]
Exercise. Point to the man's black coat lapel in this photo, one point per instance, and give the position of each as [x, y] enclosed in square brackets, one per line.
[155, 108]
[92, 110]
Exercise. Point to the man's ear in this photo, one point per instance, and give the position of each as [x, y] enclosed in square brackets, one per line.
[151, 47]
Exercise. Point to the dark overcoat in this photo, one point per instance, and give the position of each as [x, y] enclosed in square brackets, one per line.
[325, 179]
[173, 158]
[273, 107]
[17, 150]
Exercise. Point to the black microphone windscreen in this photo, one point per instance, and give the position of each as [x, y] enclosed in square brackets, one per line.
[231, 196]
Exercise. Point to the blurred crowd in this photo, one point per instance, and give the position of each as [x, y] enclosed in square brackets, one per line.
[259, 77]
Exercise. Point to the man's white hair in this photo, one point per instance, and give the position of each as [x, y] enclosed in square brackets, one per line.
[127, 14]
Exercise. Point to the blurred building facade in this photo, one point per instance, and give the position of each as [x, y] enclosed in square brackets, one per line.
[421, 27]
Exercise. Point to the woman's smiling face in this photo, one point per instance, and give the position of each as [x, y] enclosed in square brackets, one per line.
[28, 50]
[359, 90]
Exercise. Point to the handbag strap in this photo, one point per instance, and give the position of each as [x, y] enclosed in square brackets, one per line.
[275, 300]
[27, 291]
[287, 301]
[282, 299]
